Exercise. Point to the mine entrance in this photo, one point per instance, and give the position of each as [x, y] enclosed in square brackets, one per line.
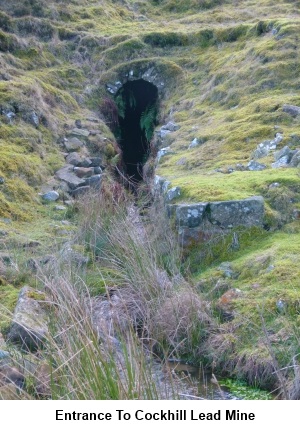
[137, 103]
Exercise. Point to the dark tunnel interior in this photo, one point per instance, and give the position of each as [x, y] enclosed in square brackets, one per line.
[137, 109]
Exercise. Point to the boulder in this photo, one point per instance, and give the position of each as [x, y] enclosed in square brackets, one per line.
[295, 161]
[248, 212]
[226, 303]
[78, 160]
[51, 196]
[160, 185]
[95, 162]
[163, 152]
[34, 119]
[190, 215]
[170, 126]
[173, 193]
[285, 153]
[97, 170]
[164, 133]
[227, 270]
[94, 181]
[80, 191]
[266, 146]
[29, 325]
[255, 166]
[78, 123]
[80, 133]
[84, 172]
[282, 162]
[73, 144]
[291, 110]
[67, 175]
[195, 142]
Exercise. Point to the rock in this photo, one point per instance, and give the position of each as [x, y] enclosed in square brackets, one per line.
[29, 325]
[227, 270]
[11, 375]
[194, 143]
[84, 172]
[78, 123]
[296, 214]
[78, 160]
[67, 175]
[160, 184]
[255, 166]
[285, 152]
[51, 196]
[170, 126]
[79, 132]
[97, 170]
[164, 133]
[92, 119]
[173, 193]
[73, 144]
[274, 185]
[95, 162]
[240, 167]
[34, 119]
[228, 214]
[60, 208]
[226, 303]
[270, 268]
[163, 152]
[3, 233]
[282, 162]
[5, 220]
[10, 116]
[248, 212]
[291, 110]
[35, 263]
[80, 191]
[2, 180]
[190, 215]
[281, 306]
[266, 146]
[94, 181]
[295, 161]
[262, 150]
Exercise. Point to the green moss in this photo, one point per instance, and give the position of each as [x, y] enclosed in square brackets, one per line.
[164, 39]
[8, 300]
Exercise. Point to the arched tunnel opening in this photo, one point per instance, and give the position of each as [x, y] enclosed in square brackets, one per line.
[137, 103]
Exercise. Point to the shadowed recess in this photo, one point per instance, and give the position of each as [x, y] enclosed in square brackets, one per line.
[137, 110]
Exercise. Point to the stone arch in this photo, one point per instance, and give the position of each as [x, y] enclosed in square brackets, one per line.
[161, 73]
[158, 74]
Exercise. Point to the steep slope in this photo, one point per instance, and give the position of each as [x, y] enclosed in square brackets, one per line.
[226, 73]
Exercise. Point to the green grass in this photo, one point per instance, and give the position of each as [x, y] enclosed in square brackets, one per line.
[227, 67]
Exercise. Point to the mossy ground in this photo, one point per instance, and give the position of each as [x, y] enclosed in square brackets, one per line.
[228, 68]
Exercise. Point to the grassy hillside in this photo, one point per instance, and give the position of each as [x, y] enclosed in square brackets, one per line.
[228, 67]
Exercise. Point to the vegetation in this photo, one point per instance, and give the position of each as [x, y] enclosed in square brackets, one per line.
[226, 69]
